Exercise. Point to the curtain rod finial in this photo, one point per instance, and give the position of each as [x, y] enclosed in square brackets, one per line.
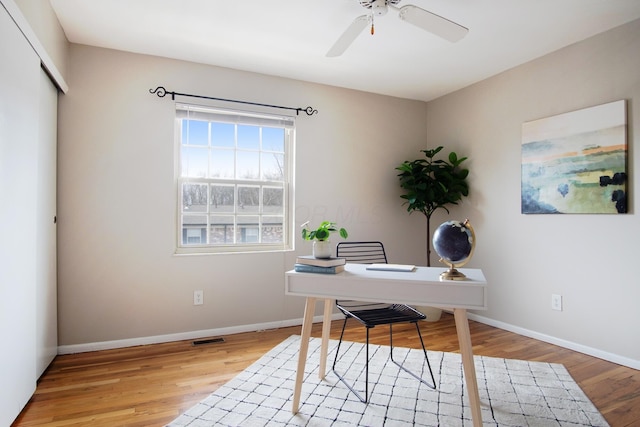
[160, 91]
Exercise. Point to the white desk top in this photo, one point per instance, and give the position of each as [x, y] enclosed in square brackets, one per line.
[419, 287]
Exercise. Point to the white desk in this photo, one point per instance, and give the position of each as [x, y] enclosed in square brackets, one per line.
[420, 287]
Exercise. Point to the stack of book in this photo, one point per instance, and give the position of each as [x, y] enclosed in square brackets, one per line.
[309, 264]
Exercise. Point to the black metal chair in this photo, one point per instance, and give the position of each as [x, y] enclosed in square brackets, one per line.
[374, 314]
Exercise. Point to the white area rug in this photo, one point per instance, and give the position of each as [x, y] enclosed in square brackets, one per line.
[512, 392]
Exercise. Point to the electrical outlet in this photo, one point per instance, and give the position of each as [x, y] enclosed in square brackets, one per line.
[556, 302]
[198, 297]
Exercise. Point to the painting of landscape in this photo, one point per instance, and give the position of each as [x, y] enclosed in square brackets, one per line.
[576, 162]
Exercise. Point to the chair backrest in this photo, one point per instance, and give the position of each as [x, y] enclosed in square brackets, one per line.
[362, 252]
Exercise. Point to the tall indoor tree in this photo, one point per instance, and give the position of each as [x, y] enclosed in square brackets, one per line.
[431, 184]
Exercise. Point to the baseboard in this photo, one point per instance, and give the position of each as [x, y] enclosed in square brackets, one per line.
[611, 357]
[192, 335]
[181, 336]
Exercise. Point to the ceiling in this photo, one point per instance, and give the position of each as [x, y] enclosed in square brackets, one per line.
[290, 38]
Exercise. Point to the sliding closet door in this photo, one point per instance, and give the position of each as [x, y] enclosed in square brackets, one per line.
[46, 271]
[19, 107]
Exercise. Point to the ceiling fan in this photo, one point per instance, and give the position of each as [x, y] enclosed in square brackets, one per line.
[419, 17]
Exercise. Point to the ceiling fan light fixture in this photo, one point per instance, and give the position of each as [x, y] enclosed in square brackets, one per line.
[379, 8]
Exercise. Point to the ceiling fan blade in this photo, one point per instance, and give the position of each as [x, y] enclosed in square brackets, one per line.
[433, 23]
[349, 36]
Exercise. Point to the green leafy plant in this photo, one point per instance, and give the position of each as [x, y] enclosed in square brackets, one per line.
[431, 184]
[323, 231]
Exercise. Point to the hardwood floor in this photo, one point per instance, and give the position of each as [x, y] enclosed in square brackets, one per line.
[151, 385]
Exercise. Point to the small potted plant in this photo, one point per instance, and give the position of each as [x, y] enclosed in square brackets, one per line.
[320, 236]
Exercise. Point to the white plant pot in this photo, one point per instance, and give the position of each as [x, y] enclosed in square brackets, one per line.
[322, 249]
[433, 314]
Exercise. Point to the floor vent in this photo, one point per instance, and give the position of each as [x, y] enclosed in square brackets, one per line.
[208, 341]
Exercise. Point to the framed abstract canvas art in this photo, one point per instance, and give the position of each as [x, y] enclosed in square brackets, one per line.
[576, 162]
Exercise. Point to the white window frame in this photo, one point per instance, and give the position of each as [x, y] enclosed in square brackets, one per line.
[222, 115]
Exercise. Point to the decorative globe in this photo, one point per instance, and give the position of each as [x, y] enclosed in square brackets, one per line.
[454, 242]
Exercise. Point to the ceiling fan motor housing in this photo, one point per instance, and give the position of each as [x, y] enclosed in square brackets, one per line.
[368, 3]
[378, 7]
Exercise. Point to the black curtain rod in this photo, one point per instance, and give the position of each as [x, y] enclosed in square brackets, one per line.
[162, 92]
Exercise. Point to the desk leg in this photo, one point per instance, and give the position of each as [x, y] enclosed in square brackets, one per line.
[464, 339]
[326, 331]
[307, 321]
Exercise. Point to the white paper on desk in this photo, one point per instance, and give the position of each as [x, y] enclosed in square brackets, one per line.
[391, 267]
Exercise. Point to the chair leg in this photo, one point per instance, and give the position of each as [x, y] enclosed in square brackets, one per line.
[339, 343]
[366, 371]
[366, 384]
[341, 378]
[433, 381]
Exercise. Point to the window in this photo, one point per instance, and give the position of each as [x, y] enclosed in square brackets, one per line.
[234, 180]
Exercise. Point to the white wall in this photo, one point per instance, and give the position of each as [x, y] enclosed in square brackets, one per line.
[119, 279]
[118, 276]
[588, 259]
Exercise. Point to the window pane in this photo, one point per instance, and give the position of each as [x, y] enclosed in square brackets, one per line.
[248, 166]
[273, 201]
[221, 229]
[222, 163]
[194, 198]
[273, 166]
[248, 230]
[194, 162]
[195, 236]
[195, 132]
[223, 135]
[248, 137]
[194, 229]
[273, 139]
[272, 229]
[222, 198]
[248, 199]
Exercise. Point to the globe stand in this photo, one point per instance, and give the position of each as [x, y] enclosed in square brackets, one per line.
[451, 273]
